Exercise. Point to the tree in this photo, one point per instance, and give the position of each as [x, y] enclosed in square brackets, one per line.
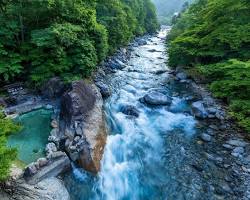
[7, 155]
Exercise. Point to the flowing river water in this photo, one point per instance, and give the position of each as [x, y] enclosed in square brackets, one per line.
[149, 157]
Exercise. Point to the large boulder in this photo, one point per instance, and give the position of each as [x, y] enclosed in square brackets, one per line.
[83, 125]
[198, 110]
[156, 98]
[53, 88]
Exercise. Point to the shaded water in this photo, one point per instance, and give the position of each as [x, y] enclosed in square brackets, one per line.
[145, 157]
[32, 139]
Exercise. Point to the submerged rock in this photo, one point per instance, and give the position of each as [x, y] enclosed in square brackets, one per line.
[156, 98]
[199, 110]
[130, 110]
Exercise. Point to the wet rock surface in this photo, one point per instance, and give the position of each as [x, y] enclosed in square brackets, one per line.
[83, 125]
[156, 98]
[47, 189]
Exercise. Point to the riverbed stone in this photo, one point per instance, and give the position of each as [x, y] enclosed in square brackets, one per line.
[237, 142]
[239, 150]
[228, 146]
[130, 110]
[42, 162]
[205, 137]
[157, 98]
[199, 110]
[181, 76]
[54, 124]
[50, 148]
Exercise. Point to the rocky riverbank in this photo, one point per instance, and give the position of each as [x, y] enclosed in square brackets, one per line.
[221, 143]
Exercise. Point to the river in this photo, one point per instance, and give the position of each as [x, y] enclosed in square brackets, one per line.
[153, 156]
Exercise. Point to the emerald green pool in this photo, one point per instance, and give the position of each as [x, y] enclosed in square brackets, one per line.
[32, 139]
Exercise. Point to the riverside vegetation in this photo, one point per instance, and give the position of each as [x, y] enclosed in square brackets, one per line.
[212, 40]
[66, 38]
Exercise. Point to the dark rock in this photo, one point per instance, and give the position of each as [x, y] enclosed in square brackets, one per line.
[77, 102]
[157, 98]
[115, 64]
[159, 72]
[212, 110]
[104, 89]
[30, 170]
[197, 167]
[53, 88]
[2, 102]
[199, 110]
[130, 110]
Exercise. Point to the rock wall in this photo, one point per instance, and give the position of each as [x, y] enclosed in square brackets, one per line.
[83, 126]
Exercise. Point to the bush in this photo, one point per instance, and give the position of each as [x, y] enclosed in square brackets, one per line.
[7, 155]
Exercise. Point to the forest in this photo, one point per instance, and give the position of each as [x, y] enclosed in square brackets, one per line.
[42, 39]
[212, 41]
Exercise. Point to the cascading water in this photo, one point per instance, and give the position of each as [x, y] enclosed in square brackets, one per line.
[145, 157]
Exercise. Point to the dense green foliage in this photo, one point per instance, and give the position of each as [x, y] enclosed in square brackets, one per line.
[7, 155]
[213, 36]
[68, 38]
[125, 19]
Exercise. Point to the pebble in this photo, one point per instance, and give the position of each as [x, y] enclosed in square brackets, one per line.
[205, 137]
[214, 127]
[238, 150]
[238, 143]
[227, 146]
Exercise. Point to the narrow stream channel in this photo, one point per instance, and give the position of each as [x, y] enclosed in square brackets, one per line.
[147, 157]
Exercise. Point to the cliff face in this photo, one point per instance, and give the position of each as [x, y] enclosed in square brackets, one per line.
[83, 125]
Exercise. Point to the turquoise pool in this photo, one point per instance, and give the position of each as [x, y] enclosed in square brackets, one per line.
[32, 139]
